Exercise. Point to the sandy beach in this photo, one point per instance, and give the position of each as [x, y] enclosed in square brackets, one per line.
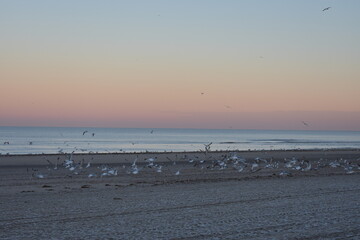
[193, 195]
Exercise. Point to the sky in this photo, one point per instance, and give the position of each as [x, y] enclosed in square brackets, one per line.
[252, 64]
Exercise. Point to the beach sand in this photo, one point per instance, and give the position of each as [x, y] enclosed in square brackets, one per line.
[204, 201]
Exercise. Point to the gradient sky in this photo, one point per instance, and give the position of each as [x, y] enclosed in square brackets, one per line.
[260, 64]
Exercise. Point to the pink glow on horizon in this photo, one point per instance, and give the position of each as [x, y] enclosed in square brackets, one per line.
[349, 121]
[128, 67]
[176, 104]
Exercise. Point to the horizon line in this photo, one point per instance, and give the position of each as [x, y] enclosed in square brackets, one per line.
[186, 128]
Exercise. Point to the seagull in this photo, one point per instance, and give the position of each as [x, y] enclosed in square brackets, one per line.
[38, 175]
[334, 164]
[93, 134]
[104, 168]
[325, 9]
[150, 162]
[239, 168]
[305, 123]
[291, 163]
[84, 132]
[133, 168]
[308, 166]
[152, 131]
[285, 174]
[158, 169]
[349, 169]
[56, 166]
[254, 167]
[69, 162]
[113, 172]
[207, 147]
[134, 163]
[178, 172]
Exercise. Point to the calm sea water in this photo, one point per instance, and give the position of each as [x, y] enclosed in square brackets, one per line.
[35, 140]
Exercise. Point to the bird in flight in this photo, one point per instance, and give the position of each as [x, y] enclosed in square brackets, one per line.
[306, 124]
[325, 9]
[84, 132]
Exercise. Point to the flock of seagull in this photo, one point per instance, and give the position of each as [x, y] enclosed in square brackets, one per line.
[230, 161]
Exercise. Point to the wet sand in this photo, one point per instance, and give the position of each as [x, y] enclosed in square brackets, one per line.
[203, 202]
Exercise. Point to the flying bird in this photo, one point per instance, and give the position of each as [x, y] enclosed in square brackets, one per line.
[84, 132]
[207, 147]
[306, 124]
[325, 9]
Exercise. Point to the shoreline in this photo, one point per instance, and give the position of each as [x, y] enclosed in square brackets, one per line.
[179, 152]
[28, 160]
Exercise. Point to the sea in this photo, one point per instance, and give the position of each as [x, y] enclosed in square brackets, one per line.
[52, 140]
